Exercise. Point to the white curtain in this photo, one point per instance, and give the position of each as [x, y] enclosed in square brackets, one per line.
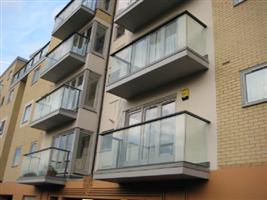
[139, 55]
[156, 50]
[171, 38]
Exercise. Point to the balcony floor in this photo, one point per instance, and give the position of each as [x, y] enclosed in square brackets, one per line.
[63, 67]
[169, 171]
[42, 180]
[135, 16]
[54, 119]
[75, 22]
[177, 65]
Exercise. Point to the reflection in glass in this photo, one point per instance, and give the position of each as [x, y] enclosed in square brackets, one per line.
[256, 83]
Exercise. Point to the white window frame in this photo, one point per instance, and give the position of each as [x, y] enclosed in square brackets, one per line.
[15, 164]
[237, 2]
[116, 28]
[243, 74]
[10, 96]
[3, 131]
[33, 143]
[35, 78]
[101, 6]
[27, 197]
[24, 109]
[93, 37]
[2, 100]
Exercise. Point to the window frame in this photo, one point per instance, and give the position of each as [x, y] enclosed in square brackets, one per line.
[101, 6]
[237, 3]
[72, 156]
[33, 143]
[30, 104]
[243, 73]
[3, 128]
[32, 197]
[15, 162]
[94, 37]
[116, 36]
[2, 101]
[86, 90]
[36, 77]
[10, 96]
[158, 103]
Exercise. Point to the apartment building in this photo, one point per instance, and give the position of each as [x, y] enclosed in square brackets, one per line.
[10, 100]
[54, 132]
[184, 114]
[165, 100]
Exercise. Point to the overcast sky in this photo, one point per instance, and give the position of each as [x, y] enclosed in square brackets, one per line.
[26, 26]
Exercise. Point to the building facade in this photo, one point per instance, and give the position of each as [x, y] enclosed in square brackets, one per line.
[141, 100]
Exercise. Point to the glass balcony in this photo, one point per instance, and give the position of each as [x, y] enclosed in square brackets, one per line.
[132, 14]
[73, 17]
[35, 59]
[56, 108]
[171, 147]
[45, 167]
[67, 57]
[177, 49]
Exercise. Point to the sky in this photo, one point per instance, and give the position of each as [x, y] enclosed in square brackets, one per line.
[26, 26]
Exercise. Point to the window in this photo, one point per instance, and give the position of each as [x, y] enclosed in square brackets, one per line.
[2, 127]
[2, 101]
[27, 113]
[107, 5]
[82, 155]
[64, 141]
[1, 85]
[156, 41]
[168, 108]
[139, 55]
[100, 38]
[33, 147]
[236, 2]
[77, 82]
[119, 31]
[153, 111]
[36, 75]
[254, 82]
[16, 157]
[9, 75]
[10, 96]
[87, 33]
[92, 90]
[29, 198]
[158, 137]
[106, 143]
[171, 43]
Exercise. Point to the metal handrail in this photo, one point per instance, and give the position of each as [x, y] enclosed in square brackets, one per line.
[75, 33]
[45, 149]
[156, 119]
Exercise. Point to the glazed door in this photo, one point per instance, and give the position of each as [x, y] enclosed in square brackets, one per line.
[150, 135]
[82, 159]
[132, 140]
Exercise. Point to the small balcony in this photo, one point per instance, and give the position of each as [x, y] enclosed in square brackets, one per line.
[56, 108]
[132, 14]
[173, 51]
[73, 17]
[173, 147]
[67, 57]
[45, 167]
